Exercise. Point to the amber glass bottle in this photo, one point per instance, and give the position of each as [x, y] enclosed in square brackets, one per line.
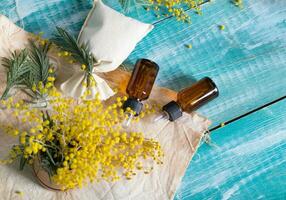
[191, 98]
[140, 85]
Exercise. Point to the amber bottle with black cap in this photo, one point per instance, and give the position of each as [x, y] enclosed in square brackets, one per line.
[139, 86]
[190, 99]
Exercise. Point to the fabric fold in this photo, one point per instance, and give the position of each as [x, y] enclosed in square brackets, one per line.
[75, 86]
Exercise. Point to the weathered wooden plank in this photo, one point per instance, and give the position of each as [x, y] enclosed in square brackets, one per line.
[248, 160]
[246, 60]
[137, 12]
[43, 16]
[39, 15]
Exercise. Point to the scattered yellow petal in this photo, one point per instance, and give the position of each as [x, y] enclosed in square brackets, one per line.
[221, 27]
[19, 193]
[83, 66]
[189, 46]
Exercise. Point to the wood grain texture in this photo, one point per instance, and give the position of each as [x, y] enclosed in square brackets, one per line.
[138, 11]
[248, 160]
[135, 11]
[43, 16]
[246, 60]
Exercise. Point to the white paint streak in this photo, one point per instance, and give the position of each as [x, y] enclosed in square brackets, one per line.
[260, 143]
[229, 193]
[28, 7]
[214, 181]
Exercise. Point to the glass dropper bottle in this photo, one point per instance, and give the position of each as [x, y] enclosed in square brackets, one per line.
[190, 99]
[139, 87]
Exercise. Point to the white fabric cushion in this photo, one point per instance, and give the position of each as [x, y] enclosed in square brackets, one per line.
[111, 36]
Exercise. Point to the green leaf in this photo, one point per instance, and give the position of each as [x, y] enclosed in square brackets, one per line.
[17, 70]
[22, 162]
[51, 158]
[39, 63]
[27, 67]
[80, 53]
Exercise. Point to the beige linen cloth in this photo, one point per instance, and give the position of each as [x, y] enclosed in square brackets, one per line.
[179, 141]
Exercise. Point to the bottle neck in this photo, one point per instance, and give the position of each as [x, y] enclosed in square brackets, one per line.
[134, 104]
[173, 110]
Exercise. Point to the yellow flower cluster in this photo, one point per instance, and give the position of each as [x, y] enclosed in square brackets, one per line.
[42, 89]
[67, 56]
[77, 141]
[175, 8]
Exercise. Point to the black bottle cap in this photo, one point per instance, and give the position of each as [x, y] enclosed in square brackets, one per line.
[173, 110]
[134, 105]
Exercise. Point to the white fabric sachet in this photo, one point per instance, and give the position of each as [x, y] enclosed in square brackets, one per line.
[74, 86]
[111, 37]
[179, 141]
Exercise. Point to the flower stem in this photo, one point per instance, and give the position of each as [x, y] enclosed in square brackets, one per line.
[5, 93]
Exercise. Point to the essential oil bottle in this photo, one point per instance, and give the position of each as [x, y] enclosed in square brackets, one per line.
[190, 99]
[139, 87]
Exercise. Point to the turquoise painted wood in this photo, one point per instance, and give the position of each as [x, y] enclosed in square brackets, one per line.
[137, 12]
[247, 61]
[248, 160]
[43, 16]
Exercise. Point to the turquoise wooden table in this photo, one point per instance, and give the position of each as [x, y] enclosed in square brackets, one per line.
[247, 60]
